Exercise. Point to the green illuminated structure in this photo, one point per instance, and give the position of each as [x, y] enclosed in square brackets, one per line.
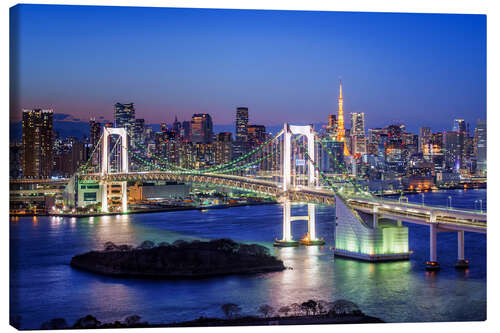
[366, 237]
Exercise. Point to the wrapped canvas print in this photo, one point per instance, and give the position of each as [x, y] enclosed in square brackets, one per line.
[175, 167]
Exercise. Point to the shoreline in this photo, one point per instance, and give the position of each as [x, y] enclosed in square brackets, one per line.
[145, 211]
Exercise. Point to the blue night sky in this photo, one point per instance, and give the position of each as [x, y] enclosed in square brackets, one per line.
[416, 69]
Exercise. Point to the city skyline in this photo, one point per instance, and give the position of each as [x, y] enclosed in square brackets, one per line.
[396, 84]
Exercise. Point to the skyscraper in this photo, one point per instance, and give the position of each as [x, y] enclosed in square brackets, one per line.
[201, 128]
[332, 125]
[424, 137]
[481, 146]
[358, 124]
[95, 131]
[459, 125]
[138, 131]
[340, 123]
[37, 143]
[223, 149]
[242, 124]
[125, 116]
[256, 134]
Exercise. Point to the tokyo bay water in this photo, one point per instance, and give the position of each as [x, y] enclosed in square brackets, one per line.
[44, 286]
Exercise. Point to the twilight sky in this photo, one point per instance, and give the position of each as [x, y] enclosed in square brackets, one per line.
[417, 69]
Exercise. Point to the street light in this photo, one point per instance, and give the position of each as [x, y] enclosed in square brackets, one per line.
[422, 198]
[449, 198]
[481, 204]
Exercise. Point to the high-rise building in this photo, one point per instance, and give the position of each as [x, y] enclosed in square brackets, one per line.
[459, 125]
[201, 128]
[242, 124]
[256, 134]
[424, 137]
[453, 143]
[481, 146]
[358, 124]
[138, 132]
[331, 129]
[125, 116]
[340, 123]
[37, 143]
[176, 127]
[223, 148]
[95, 132]
[186, 130]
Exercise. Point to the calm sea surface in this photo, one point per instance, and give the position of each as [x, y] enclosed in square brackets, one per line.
[44, 286]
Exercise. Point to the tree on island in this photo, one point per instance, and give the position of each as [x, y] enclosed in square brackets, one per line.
[265, 310]
[230, 310]
[285, 310]
[309, 307]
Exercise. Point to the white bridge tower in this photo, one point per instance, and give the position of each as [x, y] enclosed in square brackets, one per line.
[118, 189]
[312, 181]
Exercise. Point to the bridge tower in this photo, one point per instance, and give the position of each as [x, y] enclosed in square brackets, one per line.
[288, 187]
[118, 189]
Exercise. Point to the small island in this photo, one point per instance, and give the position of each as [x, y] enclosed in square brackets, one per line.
[181, 259]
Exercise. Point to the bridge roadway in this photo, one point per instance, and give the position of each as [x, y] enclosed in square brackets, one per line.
[445, 218]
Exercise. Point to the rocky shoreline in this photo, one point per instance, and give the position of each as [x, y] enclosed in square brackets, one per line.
[180, 259]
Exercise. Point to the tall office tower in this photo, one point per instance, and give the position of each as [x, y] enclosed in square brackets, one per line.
[95, 132]
[223, 148]
[139, 131]
[331, 129]
[176, 127]
[459, 125]
[15, 159]
[424, 137]
[163, 127]
[186, 130]
[242, 124]
[256, 134]
[38, 156]
[340, 123]
[481, 146]
[358, 124]
[453, 143]
[125, 116]
[201, 128]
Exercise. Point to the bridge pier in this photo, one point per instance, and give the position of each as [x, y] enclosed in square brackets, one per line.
[287, 239]
[104, 197]
[432, 264]
[461, 263]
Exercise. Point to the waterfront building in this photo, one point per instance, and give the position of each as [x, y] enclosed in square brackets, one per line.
[242, 124]
[37, 143]
[481, 146]
[15, 159]
[201, 128]
[125, 116]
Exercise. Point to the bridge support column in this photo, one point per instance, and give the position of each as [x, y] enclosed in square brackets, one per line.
[461, 262]
[287, 228]
[104, 197]
[311, 239]
[124, 197]
[432, 264]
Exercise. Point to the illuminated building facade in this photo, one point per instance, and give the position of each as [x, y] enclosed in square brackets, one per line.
[125, 116]
[201, 128]
[37, 143]
[481, 146]
[241, 124]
